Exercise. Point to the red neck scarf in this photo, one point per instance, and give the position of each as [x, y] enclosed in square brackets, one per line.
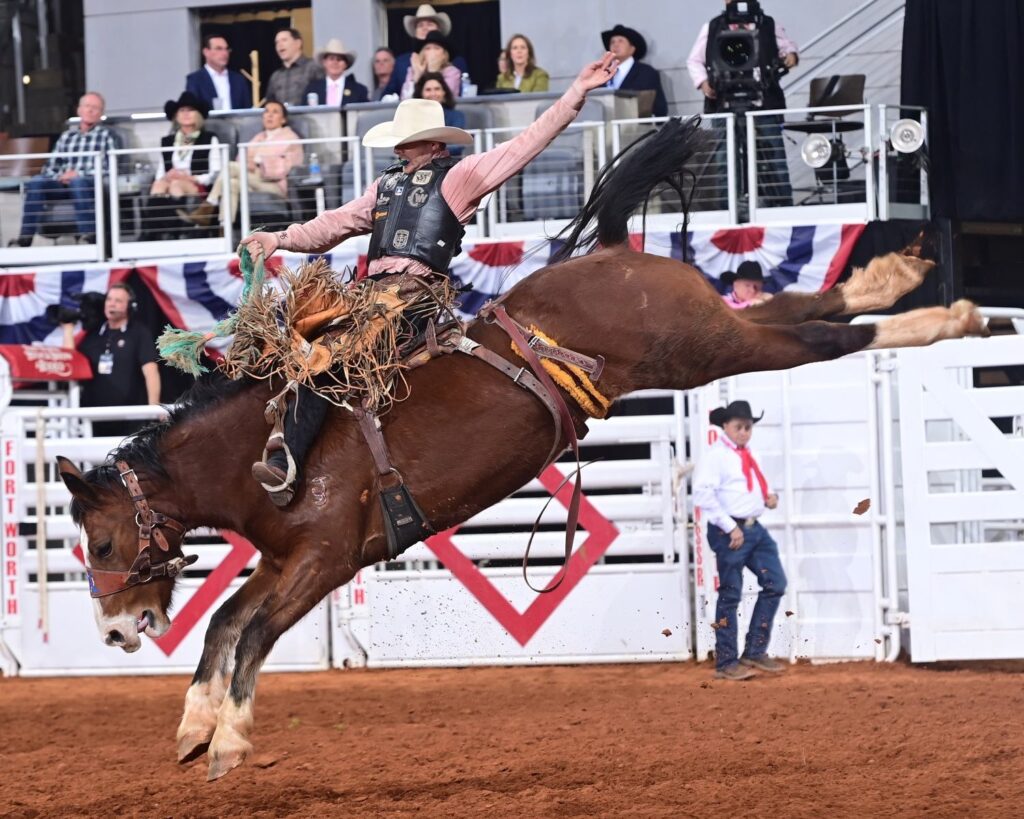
[749, 466]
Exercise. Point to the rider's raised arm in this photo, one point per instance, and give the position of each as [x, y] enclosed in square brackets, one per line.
[479, 174]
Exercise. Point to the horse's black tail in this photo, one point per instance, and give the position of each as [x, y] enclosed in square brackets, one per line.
[626, 183]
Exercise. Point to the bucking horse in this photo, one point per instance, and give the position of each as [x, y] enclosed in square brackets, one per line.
[466, 437]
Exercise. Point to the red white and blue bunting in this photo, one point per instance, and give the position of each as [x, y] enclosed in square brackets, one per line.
[195, 294]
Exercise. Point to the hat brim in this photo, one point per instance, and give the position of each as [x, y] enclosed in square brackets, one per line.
[171, 107]
[444, 23]
[350, 58]
[383, 136]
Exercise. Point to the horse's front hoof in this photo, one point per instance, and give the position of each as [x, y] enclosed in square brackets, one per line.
[224, 762]
[192, 746]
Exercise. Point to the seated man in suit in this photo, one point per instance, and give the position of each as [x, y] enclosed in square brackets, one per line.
[417, 26]
[629, 48]
[215, 81]
[338, 88]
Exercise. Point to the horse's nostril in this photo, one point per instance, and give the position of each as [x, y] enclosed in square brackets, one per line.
[115, 637]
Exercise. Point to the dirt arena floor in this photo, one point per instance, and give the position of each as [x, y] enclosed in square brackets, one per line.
[853, 740]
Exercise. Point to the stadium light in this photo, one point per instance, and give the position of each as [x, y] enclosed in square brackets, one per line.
[906, 136]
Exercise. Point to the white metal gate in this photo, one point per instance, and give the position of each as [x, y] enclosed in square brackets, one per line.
[962, 436]
[822, 446]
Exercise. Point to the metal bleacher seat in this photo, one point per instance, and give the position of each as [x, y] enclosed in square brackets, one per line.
[552, 185]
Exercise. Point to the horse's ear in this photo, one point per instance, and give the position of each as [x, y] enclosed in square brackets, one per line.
[72, 477]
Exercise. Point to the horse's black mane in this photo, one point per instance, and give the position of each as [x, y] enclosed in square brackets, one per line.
[142, 452]
[625, 183]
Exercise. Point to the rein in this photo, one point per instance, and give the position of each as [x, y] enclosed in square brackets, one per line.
[104, 582]
[563, 419]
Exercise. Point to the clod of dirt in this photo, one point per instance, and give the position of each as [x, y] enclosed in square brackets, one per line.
[878, 640]
[721, 623]
[790, 613]
[862, 507]
[266, 760]
[667, 632]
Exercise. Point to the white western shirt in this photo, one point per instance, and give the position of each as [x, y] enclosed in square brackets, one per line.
[621, 72]
[223, 87]
[720, 487]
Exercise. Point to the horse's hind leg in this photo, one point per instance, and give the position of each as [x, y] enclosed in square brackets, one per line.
[767, 347]
[210, 682]
[304, 580]
[875, 287]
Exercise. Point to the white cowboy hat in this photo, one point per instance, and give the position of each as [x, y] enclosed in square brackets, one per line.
[336, 46]
[426, 12]
[415, 121]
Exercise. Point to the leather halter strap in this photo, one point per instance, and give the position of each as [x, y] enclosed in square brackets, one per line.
[104, 582]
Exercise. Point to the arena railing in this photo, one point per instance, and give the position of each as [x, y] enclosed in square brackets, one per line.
[57, 222]
[713, 189]
[782, 186]
[144, 225]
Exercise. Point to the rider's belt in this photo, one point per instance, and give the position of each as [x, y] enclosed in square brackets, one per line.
[744, 522]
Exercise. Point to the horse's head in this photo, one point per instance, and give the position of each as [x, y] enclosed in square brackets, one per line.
[132, 552]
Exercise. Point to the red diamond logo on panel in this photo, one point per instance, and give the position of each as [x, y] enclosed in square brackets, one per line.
[206, 595]
[522, 625]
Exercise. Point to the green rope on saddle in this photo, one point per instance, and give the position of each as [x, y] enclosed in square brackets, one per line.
[182, 348]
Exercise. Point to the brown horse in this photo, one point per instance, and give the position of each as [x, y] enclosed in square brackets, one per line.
[466, 438]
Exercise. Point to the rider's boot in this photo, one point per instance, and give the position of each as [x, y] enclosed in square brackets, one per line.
[286, 450]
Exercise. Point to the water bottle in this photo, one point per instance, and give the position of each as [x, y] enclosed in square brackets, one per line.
[465, 84]
[314, 167]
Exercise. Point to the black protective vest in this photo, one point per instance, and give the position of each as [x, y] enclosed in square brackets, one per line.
[767, 44]
[200, 159]
[412, 219]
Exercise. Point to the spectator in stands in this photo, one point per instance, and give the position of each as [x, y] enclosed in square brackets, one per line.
[274, 152]
[774, 172]
[502, 64]
[71, 176]
[383, 68]
[338, 88]
[185, 171]
[418, 26]
[732, 494]
[288, 84]
[434, 55]
[218, 86]
[122, 354]
[522, 73]
[629, 47]
[746, 286]
[431, 86]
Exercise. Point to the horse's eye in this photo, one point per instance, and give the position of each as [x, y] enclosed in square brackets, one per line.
[105, 549]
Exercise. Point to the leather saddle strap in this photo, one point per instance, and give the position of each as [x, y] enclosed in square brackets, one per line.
[375, 441]
[514, 332]
[522, 377]
[591, 366]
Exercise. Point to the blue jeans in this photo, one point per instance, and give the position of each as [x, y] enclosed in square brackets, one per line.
[760, 554]
[39, 189]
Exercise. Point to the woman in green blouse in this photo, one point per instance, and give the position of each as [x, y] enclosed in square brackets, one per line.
[523, 73]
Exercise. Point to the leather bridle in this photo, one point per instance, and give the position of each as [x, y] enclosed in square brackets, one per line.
[104, 582]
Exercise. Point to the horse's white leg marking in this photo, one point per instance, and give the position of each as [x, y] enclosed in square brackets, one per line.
[883, 281]
[230, 744]
[199, 721]
[928, 325]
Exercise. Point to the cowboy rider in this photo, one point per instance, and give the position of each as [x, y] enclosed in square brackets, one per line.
[415, 212]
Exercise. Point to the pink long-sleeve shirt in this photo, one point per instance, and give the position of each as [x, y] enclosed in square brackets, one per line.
[463, 187]
[698, 54]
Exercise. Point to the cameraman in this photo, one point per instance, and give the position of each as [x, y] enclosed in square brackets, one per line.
[123, 360]
[773, 173]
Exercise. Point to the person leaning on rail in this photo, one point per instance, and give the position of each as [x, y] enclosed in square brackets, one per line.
[415, 212]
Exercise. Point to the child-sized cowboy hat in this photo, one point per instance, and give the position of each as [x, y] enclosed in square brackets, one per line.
[415, 121]
[749, 271]
[426, 12]
[737, 409]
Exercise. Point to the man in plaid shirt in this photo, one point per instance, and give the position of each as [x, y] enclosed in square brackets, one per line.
[70, 176]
